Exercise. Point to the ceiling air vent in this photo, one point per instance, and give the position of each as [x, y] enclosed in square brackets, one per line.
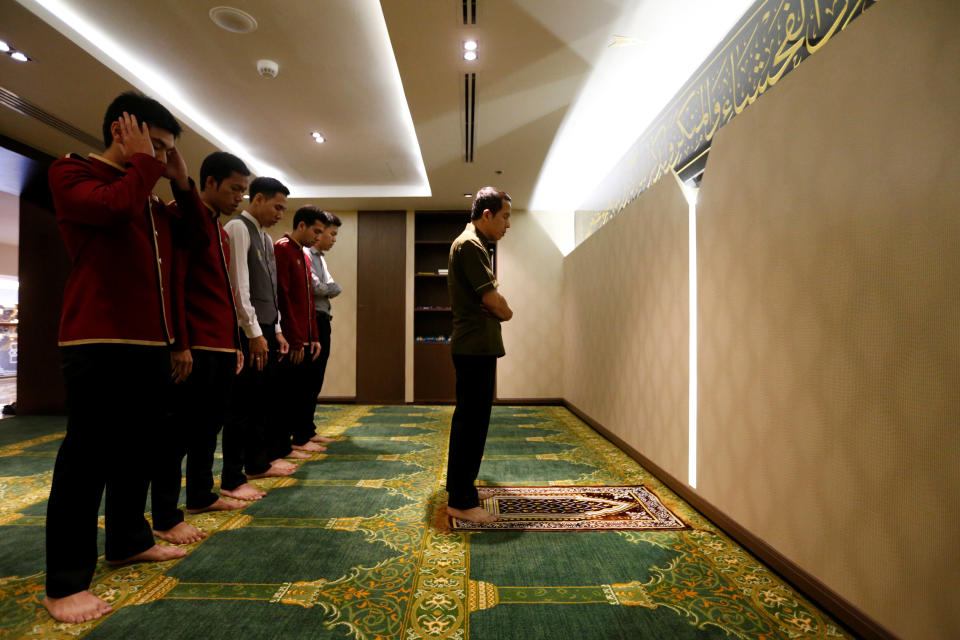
[469, 114]
[21, 106]
[469, 12]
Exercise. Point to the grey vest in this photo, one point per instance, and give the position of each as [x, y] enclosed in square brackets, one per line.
[262, 266]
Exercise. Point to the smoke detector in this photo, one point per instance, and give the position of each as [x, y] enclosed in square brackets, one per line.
[268, 68]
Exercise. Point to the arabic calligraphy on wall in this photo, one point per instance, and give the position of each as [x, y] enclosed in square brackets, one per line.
[772, 39]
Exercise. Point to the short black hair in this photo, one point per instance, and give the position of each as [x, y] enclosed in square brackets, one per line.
[220, 165]
[269, 187]
[328, 219]
[307, 214]
[488, 198]
[145, 109]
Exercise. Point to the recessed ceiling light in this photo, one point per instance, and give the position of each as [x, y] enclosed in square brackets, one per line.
[470, 45]
[19, 56]
[470, 55]
[233, 20]
[468, 195]
[246, 196]
[318, 137]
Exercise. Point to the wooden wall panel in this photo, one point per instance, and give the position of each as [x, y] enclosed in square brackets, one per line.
[381, 306]
[44, 266]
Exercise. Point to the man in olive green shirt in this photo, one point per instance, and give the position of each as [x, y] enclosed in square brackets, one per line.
[478, 310]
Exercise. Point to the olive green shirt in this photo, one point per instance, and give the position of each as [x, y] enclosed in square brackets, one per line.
[469, 276]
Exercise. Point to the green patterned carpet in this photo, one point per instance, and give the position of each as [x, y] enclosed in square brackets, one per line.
[346, 548]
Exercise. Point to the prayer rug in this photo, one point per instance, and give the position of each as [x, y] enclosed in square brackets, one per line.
[573, 509]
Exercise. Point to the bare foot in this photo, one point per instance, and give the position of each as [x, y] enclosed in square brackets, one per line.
[183, 533]
[275, 471]
[477, 514]
[484, 493]
[246, 491]
[322, 439]
[77, 607]
[156, 553]
[310, 446]
[222, 504]
[280, 463]
[299, 455]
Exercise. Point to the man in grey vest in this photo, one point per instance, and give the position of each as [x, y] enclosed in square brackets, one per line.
[249, 441]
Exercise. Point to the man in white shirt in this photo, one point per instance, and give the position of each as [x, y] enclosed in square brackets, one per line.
[250, 442]
[324, 288]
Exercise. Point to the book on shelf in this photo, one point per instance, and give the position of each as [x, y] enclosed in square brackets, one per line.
[433, 339]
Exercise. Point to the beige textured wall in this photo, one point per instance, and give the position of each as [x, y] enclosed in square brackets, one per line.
[341, 377]
[530, 269]
[829, 261]
[626, 325]
[9, 259]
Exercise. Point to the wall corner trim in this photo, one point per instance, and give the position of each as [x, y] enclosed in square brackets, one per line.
[519, 402]
[823, 596]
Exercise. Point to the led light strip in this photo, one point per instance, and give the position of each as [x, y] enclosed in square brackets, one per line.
[691, 194]
[92, 39]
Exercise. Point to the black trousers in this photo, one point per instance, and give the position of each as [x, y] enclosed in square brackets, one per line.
[116, 397]
[251, 430]
[308, 386]
[476, 379]
[197, 410]
[299, 406]
[319, 368]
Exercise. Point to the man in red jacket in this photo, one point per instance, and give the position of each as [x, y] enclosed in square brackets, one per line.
[115, 336]
[207, 336]
[299, 323]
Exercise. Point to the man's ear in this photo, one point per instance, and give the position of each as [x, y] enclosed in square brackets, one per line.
[115, 130]
[211, 184]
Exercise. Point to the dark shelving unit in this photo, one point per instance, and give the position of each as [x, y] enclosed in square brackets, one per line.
[433, 375]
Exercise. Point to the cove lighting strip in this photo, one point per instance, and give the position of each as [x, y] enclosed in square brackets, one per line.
[152, 81]
[691, 195]
[626, 90]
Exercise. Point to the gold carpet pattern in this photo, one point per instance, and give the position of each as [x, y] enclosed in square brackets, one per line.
[347, 548]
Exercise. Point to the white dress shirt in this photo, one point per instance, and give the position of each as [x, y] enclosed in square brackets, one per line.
[322, 282]
[240, 273]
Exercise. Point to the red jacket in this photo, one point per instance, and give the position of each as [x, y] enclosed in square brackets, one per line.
[205, 315]
[119, 236]
[294, 294]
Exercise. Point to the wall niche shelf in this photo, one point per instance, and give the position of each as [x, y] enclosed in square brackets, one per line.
[434, 379]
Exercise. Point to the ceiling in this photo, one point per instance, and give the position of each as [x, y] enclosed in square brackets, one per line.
[394, 123]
